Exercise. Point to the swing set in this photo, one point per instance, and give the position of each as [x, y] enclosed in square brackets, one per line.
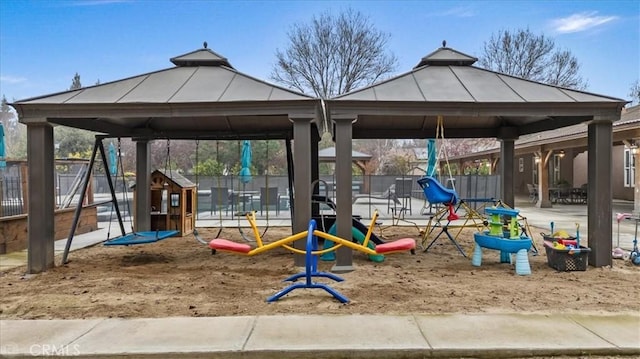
[125, 239]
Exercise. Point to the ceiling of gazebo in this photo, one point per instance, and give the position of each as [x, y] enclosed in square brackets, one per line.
[203, 96]
[474, 102]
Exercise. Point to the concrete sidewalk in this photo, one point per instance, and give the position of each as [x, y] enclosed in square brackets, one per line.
[319, 336]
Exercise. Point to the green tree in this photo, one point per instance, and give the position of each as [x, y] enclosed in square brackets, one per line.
[533, 57]
[15, 133]
[209, 168]
[69, 141]
[333, 55]
[72, 142]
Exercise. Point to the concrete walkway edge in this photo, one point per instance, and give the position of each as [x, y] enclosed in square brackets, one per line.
[327, 336]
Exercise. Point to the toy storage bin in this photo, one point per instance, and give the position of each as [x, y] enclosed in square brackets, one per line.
[566, 260]
[548, 237]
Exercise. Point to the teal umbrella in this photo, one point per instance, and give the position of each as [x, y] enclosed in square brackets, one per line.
[245, 161]
[3, 154]
[113, 160]
[432, 157]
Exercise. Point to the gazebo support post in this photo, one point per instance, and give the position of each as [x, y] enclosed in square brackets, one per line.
[599, 191]
[343, 137]
[315, 170]
[302, 180]
[142, 209]
[507, 161]
[41, 227]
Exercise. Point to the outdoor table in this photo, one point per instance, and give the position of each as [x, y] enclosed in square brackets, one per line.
[575, 195]
[242, 196]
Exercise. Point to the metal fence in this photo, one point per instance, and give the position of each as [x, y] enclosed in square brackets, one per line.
[467, 186]
[12, 201]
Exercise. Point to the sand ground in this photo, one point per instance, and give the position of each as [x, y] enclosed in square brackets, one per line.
[180, 277]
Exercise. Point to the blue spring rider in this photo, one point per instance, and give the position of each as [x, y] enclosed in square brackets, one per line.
[507, 241]
[311, 270]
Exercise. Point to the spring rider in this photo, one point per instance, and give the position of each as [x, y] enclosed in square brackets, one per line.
[507, 241]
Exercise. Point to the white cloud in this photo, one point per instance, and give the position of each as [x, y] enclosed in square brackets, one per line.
[461, 11]
[580, 22]
[12, 79]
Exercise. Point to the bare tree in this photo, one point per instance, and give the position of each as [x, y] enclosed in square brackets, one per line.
[634, 93]
[534, 57]
[75, 83]
[333, 55]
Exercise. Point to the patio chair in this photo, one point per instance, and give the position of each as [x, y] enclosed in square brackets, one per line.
[220, 199]
[579, 195]
[564, 194]
[269, 197]
[402, 196]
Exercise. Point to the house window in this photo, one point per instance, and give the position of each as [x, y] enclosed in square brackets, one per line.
[535, 161]
[629, 168]
[556, 169]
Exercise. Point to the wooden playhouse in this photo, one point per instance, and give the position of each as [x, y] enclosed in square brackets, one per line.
[173, 202]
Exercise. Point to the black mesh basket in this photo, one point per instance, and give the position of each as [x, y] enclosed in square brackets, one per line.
[567, 260]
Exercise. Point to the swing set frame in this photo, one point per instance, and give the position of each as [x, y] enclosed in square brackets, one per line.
[125, 239]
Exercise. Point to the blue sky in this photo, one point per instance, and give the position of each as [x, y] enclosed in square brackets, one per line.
[44, 43]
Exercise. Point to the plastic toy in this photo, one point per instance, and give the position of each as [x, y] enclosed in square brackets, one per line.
[634, 256]
[506, 241]
[635, 253]
[311, 271]
[619, 253]
[219, 244]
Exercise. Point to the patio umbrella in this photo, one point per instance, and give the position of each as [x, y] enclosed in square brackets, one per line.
[432, 157]
[245, 171]
[245, 160]
[3, 154]
[113, 160]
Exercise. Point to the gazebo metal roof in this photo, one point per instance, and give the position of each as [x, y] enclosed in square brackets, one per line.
[475, 102]
[203, 96]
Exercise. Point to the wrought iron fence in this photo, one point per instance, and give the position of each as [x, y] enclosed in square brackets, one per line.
[12, 201]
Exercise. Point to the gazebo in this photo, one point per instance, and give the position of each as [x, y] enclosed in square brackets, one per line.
[201, 97]
[476, 103]
[204, 97]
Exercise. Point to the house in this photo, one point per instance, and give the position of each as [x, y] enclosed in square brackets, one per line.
[562, 155]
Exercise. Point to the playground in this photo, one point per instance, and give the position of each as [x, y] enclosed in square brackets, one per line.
[180, 277]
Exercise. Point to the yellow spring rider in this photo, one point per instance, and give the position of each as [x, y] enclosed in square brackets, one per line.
[400, 245]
